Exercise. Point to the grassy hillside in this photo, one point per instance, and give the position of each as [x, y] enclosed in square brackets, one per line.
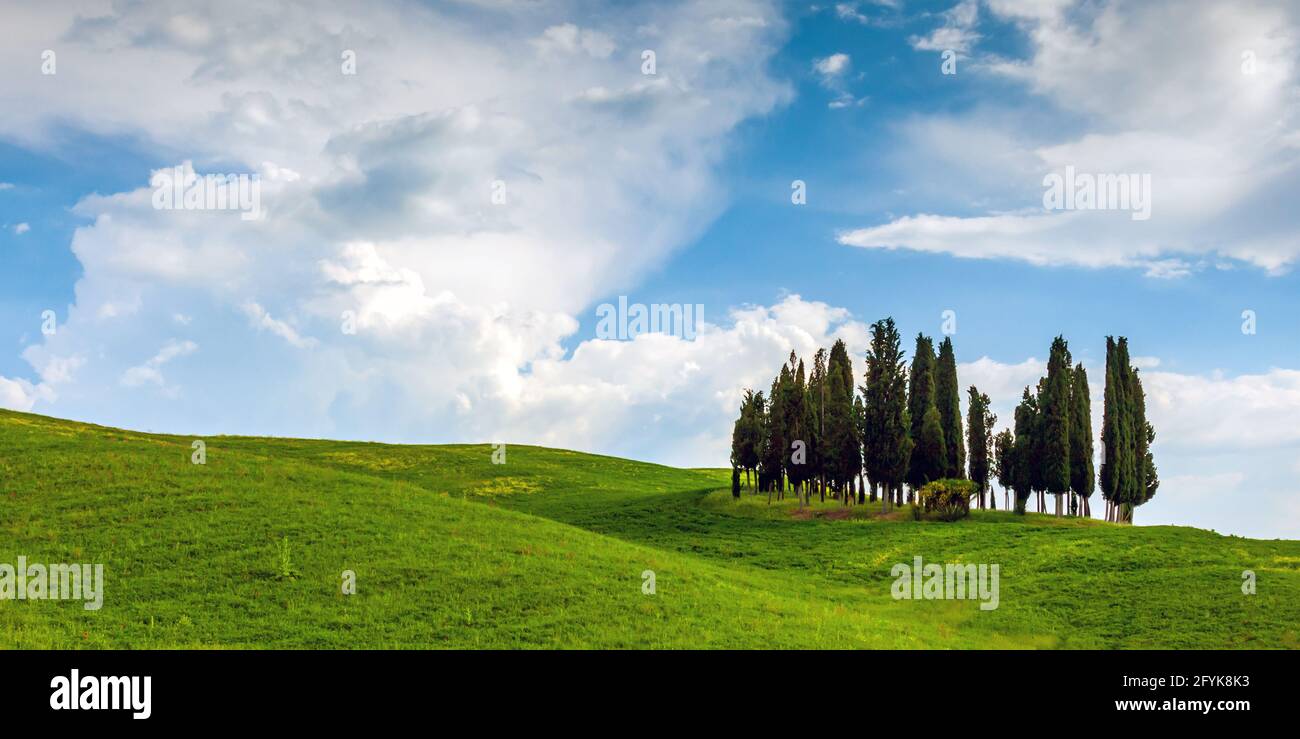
[548, 550]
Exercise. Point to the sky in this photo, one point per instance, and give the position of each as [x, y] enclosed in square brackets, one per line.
[449, 192]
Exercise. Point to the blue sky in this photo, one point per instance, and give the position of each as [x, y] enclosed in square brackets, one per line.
[476, 320]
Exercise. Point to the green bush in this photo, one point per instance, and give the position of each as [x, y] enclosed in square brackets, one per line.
[947, 499]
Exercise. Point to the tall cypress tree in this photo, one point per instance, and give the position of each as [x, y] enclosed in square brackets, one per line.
[844, 459]
[1082, 477]
[948, 400]
[979, 425]
[929, 453]
[1128, 468]
[1022, 453]
[1054, 405]
[796, 430]
[1037, 470]
[886, 426]
[1137, 403]
[1112, 470]
[774, 440]
[817, 391]
[746, 436]
[1004, 462]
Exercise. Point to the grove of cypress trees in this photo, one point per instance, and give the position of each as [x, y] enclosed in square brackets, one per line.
[948, 400]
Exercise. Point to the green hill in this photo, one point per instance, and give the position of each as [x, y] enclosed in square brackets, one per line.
[548, 550]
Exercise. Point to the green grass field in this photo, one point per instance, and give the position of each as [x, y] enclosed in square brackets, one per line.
[548, 550]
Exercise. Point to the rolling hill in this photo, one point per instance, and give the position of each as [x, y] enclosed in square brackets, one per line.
[549, 549]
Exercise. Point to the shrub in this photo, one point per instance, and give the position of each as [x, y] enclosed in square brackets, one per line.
[948, 499]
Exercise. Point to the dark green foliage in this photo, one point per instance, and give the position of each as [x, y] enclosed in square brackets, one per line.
[815, 420]
[948, 401]
[979, 426]
[748, 433]
[771, 476]
[931, 451]
[929, 455]
[1004, 446]
[1022, 462]
[1054, 410]
[1128, 468]
[1082, 475]
[886, 425]
[1152, 478]
[842, 450]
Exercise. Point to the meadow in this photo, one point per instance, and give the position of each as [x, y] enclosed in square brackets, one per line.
[549, 550]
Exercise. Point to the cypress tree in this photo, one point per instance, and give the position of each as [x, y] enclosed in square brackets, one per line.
[929, 453]
[931, 450]
[843, 457]
[1004, 464]
[1021, 462]
[948, 400]
[1111, 469]
[746, 435]
[1128, 474]
[1137, 404]
[979, 426]
[774, 443]
[886, 425]
[817, 403]
[1035, 446]
[797, 432]
[1054, 407]
[1082, 477]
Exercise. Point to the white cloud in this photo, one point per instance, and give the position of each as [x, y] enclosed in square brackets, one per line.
[832, 71]
[957, 32]
[377, 191]
[570, 39]
[832, 66]
[1218, 143]
[21, 395]
[21, 229]
[151, 370]
[263, 321]
[1224, 447]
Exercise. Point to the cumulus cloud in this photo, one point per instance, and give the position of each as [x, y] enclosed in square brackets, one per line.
[832, 66]
[957, 32]
[21, 395]
[832, 71]
[457, 211]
